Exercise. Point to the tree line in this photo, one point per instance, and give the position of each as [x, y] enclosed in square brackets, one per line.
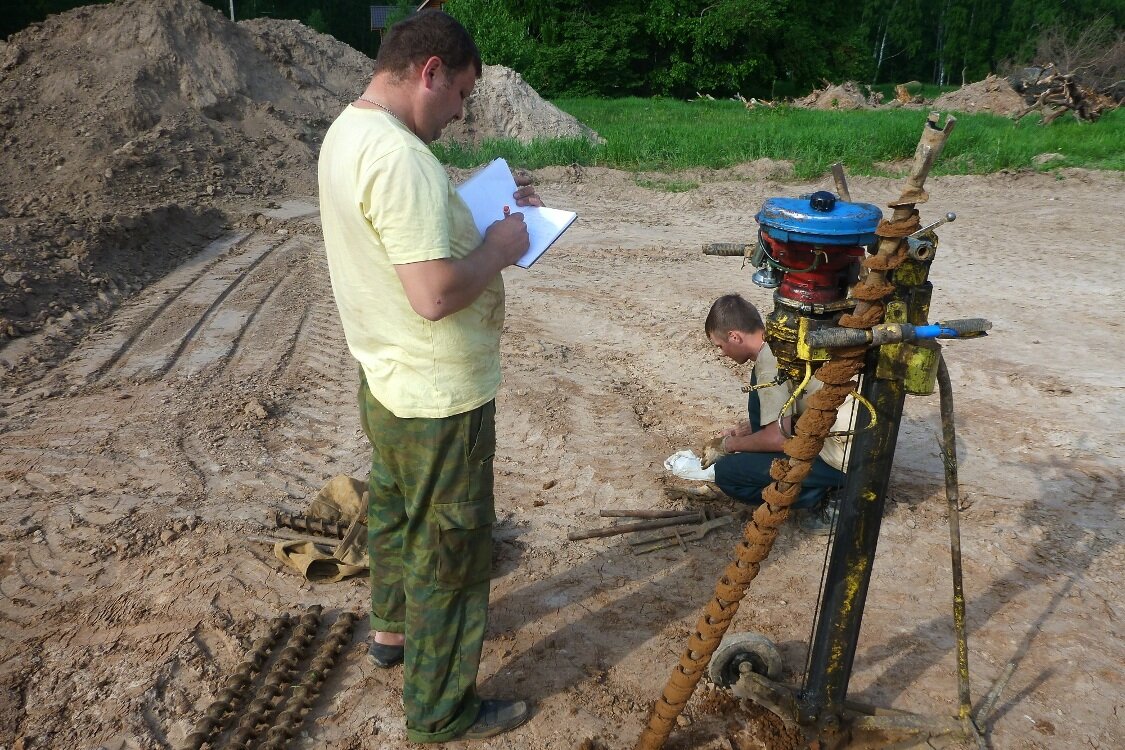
[676, 48]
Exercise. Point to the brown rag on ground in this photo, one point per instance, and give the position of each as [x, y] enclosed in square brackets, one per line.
[344, 500]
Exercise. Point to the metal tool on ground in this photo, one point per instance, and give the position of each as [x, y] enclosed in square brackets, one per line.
[301, 697]
[642, 513]
[276, 706]
[678, 536]
[811, 249]
[260, 710]
[646, 525]
[230, 697]
[310, 524]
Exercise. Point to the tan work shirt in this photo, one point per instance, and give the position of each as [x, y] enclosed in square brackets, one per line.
[834, 452]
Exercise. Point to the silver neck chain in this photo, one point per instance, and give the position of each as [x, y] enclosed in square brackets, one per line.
[383, 107]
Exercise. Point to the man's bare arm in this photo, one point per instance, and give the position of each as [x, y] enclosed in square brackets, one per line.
[441, 287]
[437, 288]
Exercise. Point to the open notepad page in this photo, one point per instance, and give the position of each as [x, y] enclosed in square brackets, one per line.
[489, 190]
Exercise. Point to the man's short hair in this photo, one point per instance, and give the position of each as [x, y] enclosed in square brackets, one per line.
[732, 313]
[423, 35]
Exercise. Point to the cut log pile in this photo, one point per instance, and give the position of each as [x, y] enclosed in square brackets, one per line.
[909, 93]
[1052, 93]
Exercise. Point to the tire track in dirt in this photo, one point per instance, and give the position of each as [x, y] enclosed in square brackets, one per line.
[103, 349]
[215, 337]
[157, 348]
[267, 338]
[318, 434]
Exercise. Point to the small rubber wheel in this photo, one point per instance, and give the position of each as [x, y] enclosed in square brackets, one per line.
[737, 649]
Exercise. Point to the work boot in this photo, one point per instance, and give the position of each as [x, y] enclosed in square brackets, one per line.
[495, 717]
[384, 656]
[819, 519]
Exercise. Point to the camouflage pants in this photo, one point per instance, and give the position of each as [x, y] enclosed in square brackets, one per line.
[430, 544]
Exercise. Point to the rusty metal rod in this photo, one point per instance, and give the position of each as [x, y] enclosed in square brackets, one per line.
[841, 182]
[302, 695]
[311, 524]
[229, 699]
[642, 513]
[625, 528]
[262, 708]
[953, 496]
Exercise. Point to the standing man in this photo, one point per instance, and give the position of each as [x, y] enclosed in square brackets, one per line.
[742, 455]
[421, 300]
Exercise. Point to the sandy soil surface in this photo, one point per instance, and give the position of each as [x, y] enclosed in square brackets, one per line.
[138, 470]
[172, 372]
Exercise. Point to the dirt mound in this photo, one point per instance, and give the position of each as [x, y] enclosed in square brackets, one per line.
[148, 100]
[503, 105]
[326, 71]
[994, 95]
[845, 96]
[111, 115]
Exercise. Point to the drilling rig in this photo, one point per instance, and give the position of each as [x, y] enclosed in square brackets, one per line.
[851, 307]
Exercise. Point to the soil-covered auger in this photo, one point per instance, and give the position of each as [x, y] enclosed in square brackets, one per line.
[811, 251]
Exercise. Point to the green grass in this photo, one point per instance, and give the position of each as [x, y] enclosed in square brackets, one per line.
[667, 186]
[669, 135]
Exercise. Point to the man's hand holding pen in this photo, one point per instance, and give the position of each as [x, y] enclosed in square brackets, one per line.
[509, 234]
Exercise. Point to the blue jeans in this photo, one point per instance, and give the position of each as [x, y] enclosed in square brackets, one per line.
[743, 476]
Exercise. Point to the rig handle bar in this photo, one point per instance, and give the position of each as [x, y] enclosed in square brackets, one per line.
[894, 333]
[728, 249]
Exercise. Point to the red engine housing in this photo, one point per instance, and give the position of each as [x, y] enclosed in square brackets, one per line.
[832, 269]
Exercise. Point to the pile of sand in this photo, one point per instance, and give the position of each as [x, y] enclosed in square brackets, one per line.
[503, 105]
[111, 115]
[994, 95]
[847, 95]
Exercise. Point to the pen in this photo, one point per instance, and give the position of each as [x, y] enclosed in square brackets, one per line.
[507, 211]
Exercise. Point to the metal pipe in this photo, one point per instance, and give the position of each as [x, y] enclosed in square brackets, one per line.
[625, 528]
[953, 496]
[626, 513]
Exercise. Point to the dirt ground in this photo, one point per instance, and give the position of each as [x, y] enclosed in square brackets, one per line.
[172, 372]
[138, 470]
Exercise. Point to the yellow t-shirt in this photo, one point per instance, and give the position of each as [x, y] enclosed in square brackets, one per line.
[835, 450]
[385, 200]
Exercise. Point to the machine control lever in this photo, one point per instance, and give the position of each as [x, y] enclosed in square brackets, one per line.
[728, 249]
[893, 333]
[948, 218]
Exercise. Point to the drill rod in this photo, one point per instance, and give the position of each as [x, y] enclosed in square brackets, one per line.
[953, 495]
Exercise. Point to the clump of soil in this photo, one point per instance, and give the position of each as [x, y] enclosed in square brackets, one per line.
[993, 95]
[111, 115]
[847, 95]
[503, 105]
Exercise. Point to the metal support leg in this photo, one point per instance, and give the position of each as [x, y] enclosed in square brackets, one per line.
[853, 549]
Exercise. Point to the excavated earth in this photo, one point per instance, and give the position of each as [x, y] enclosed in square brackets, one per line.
[158, 189]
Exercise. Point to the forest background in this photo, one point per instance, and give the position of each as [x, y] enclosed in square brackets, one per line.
[676, 48]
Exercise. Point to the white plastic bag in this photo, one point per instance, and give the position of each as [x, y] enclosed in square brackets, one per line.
[687, 465]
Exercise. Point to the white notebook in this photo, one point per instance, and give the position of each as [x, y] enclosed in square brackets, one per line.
[489, 190]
